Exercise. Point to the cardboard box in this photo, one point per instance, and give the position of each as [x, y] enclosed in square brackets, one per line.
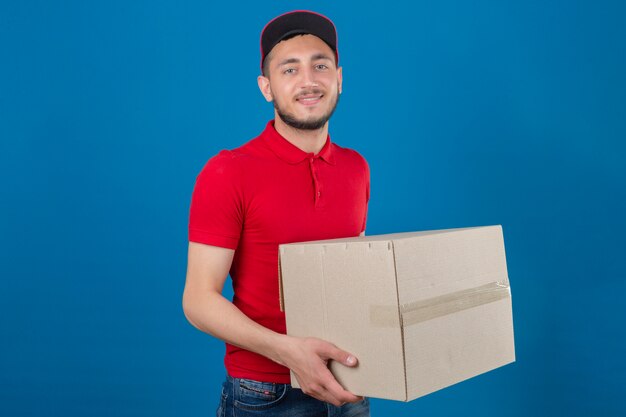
[421, 310]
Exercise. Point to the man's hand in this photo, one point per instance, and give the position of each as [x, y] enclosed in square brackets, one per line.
[308, 359]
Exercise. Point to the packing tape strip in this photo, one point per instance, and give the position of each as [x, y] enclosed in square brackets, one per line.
[419, 311]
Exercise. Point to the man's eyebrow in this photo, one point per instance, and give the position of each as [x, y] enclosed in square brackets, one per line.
[320, 56]
[288, 61]
[315, 57]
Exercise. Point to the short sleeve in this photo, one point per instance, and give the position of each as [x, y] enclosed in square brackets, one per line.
[216, 213]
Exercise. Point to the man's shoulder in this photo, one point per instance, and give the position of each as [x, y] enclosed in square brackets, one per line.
[221, 165]
[348, 155]
[229, 160]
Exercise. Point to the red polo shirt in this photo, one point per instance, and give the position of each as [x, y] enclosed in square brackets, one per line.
[265, 193]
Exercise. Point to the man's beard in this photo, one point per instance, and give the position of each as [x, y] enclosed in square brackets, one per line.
[299, 124]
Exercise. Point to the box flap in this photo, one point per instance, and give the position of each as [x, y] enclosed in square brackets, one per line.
[332, 291]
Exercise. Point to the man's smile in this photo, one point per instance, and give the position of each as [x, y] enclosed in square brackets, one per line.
[309, 99]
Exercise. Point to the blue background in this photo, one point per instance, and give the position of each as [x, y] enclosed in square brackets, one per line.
[470, 113]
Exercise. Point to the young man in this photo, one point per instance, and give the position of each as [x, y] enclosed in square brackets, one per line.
[289, 184]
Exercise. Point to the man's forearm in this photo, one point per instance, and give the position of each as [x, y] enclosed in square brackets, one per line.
[306, 357]
[212, 313]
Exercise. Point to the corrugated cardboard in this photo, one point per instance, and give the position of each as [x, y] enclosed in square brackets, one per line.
[421, 310]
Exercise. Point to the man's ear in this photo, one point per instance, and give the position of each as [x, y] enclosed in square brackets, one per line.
[264, 86]
[339, 78]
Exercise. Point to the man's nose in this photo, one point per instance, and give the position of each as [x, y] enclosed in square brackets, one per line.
[309, 77]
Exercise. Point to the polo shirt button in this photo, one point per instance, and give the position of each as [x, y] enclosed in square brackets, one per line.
[319, 193]
[312, 159]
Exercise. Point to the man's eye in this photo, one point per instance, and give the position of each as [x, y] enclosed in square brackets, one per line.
[289, 71]
[321, 67]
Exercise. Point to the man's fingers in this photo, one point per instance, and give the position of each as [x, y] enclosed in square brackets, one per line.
[337, 398]
[346, 358]
[314, 375]
[320, 392]
[330, 398]
[336, 391]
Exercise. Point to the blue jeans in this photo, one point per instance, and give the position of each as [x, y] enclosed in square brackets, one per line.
[246, 398]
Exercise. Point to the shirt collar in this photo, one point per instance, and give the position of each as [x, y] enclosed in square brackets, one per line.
[289, 152]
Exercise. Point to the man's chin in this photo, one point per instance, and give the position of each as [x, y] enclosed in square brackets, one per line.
[304, 124]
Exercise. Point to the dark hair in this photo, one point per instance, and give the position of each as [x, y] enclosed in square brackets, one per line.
[266, 64]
